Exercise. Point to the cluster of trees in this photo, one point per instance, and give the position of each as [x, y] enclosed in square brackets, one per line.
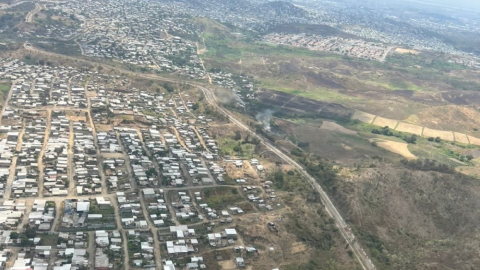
[437, 139]
[169, 87]
[150, 172]
[388, 132]
[321, 170]
[303, 144]
[428, 165]
[384, 131]
[8, 20]
[461, 157]
[375, 245]
[25, 238]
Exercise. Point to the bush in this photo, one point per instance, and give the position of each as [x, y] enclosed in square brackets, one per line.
[303, 144]
[297, 152]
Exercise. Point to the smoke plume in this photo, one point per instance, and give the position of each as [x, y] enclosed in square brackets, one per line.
[265, 117]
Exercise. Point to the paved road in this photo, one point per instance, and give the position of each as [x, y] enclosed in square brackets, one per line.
[344, 229]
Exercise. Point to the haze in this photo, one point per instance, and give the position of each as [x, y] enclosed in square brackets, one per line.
[464, 4]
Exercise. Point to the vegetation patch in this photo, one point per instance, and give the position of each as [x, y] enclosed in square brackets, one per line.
[220, 197]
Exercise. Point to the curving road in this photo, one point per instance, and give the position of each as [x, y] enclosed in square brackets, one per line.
[29, 17]
[344, 229]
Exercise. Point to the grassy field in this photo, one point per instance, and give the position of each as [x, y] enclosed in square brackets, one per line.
[237, 148]
[221, 197]
[61, 47]
[4, 88]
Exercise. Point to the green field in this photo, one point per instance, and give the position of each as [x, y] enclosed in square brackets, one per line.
[236, 148]
[4, 89]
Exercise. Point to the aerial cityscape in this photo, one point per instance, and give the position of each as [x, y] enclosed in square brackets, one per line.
[239, 134]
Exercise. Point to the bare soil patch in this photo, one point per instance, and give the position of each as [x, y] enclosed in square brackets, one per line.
[409, 128]
[103, 128]
[364, 117]
[444, 135]
[460, 137]
[469, 170]
[397, 148]
[328, 125]
[404, 51]
[473, 140]
[113, 155]
[385, 122]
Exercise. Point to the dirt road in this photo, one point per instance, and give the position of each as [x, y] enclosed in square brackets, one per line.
[13, 166]
[41, 172]
[31, 14]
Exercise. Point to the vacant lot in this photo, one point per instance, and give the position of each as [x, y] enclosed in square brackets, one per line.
[221, 197]
[4, 89]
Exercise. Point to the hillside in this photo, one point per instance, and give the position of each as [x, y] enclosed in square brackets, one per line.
[413, 219]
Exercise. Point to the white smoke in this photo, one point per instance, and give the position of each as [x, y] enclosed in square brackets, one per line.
[265, 117]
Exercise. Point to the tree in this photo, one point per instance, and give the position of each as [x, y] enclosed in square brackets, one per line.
[31, 233]
[168, 87]
[14, 235]
[277, 177]
[237, 148]
[25, 242]
[431, 139]
[255, 141]
[238, 136]
[437, 139]
[469, 157]
[412, 139]
[386, 131]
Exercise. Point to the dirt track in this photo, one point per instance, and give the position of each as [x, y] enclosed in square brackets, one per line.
[31, 14]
